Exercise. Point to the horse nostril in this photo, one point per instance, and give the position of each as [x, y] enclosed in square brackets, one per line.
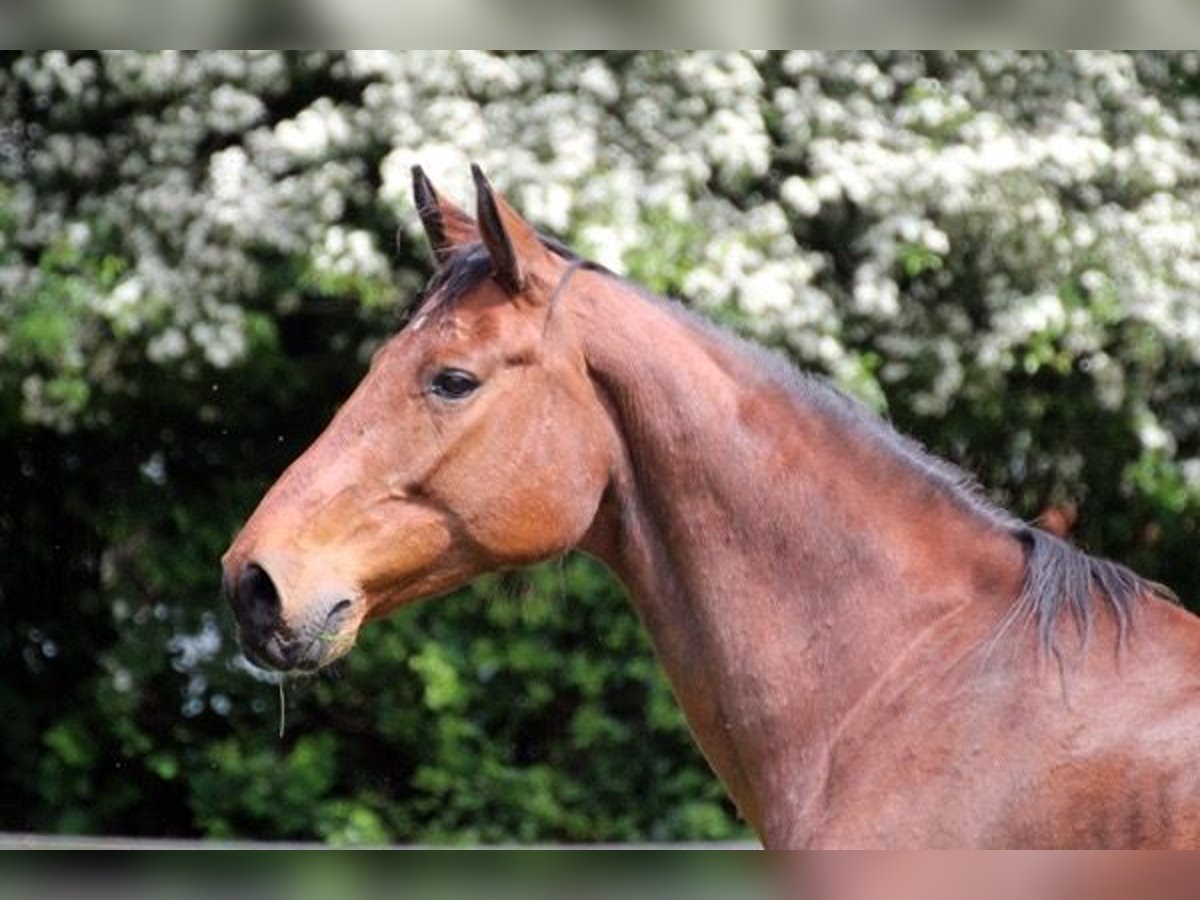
[257, 598]
[337, 613]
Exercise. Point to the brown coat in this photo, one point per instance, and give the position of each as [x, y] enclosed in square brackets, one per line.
[868, 653]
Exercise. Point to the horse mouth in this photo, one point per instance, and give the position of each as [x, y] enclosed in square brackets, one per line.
[297, 657]
[308, 651]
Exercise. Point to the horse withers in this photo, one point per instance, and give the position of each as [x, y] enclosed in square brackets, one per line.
[867, 651]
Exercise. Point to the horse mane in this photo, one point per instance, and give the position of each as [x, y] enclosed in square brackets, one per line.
[1061, 581]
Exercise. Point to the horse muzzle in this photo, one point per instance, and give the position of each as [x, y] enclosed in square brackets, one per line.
[324, 632]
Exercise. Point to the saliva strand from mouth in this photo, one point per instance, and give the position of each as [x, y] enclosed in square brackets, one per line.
[282, 706]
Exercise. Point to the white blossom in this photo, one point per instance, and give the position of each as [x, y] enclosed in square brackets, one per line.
[949, 217]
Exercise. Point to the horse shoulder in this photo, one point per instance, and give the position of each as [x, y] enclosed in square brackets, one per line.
[956, 752]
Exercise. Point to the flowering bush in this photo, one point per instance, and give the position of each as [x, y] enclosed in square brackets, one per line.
[999, 250]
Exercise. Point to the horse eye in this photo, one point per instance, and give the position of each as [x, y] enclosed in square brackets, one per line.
[453, 384]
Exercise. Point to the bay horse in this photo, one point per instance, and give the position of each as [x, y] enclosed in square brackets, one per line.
[868, 652]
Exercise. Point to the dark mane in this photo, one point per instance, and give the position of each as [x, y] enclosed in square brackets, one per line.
[1061, 581]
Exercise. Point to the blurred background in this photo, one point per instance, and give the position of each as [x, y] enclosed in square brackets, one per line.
[199, 252]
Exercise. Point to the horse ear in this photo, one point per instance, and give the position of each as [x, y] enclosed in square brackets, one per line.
[512, 243]
[446, 226]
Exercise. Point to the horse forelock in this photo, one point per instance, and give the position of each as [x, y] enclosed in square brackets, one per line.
[469, 265]
[462, 271]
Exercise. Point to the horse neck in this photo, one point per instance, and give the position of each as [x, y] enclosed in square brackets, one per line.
[780, 561]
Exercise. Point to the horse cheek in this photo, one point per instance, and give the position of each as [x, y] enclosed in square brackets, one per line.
[535, 513]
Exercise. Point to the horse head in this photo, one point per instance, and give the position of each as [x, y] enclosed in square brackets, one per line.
[475, 442]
